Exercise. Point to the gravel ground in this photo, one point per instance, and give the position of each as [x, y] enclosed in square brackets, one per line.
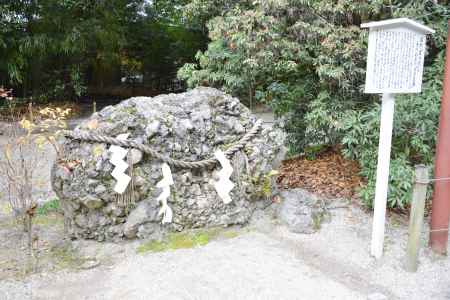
[248, 267]
[265, 262]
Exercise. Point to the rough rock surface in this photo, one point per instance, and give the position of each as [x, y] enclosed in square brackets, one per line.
[301, 211]
[188, 126]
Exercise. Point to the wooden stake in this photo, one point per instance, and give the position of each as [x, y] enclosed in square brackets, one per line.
[30, 111]
[416, 218]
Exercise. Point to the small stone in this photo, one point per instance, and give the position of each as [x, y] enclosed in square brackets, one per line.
[92, 182]
[377, 296]
[164, 131]
[200, 115]
[90, 264]
[187, 124]
[149, 230]
[100, 189]
[239, 128]
[136, 156]
[114, 211]
[301, 211]
[92, 173]
[196, 190]
[198, 151]
[99, 165]
[92, 202]
[205, 149]
[143, 213]
[186, 178]
[117, 210]
[177, 147]
[152, 128]
[81, 220]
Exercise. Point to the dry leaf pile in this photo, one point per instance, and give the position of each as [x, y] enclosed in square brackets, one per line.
[329, 175]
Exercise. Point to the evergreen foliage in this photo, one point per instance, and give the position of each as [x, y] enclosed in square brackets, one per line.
[55, 50]
[307, 60]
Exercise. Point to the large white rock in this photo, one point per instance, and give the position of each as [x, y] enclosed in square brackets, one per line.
[189, 126]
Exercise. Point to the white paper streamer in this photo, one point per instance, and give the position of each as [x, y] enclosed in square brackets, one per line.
[224, 185]
[117, 159]
[165, 184]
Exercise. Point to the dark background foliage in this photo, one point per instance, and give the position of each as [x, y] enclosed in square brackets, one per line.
[60, 50]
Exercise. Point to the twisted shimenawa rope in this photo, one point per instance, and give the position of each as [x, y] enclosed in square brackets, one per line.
[211, 162]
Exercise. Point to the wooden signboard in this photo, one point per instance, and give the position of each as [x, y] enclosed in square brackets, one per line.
[394, 65]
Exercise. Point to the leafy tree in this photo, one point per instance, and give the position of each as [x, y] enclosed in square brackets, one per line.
[51, 43]
[56, 49]
[199, 12]
[247, 58]
[163, 40]
[305, 58]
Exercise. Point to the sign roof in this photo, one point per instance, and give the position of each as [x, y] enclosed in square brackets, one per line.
[399, 22]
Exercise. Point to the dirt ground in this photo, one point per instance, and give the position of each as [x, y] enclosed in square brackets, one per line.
[261, 261]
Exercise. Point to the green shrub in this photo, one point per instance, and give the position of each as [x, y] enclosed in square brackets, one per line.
[50, 206]
[307, 60]
[414, 137]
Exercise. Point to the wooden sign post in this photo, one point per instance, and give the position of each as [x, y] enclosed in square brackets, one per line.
[394, 65]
